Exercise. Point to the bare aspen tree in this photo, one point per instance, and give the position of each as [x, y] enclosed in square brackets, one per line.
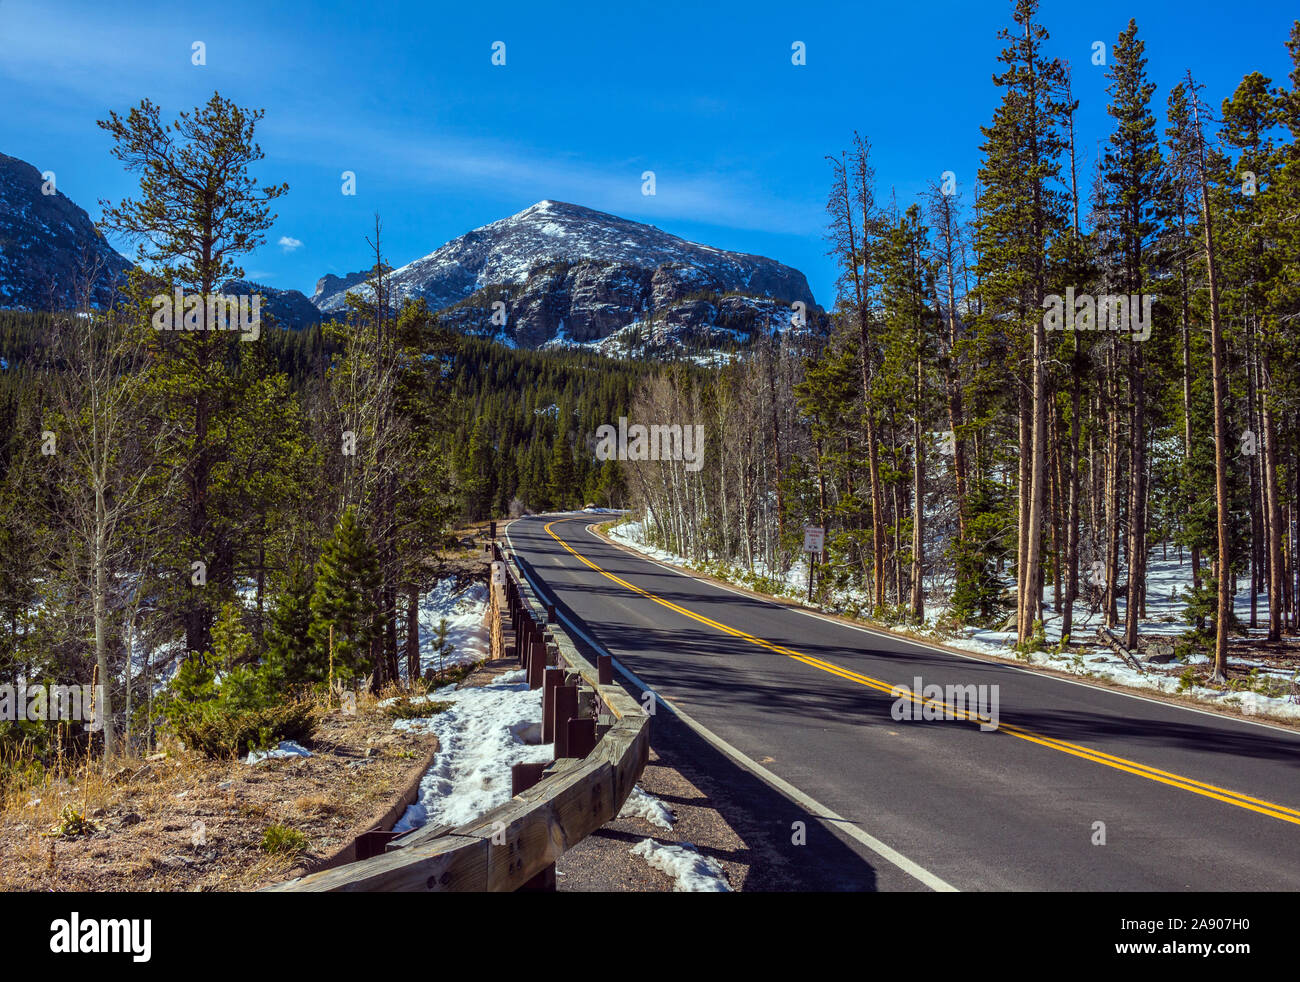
[853, 194]
[107, 454]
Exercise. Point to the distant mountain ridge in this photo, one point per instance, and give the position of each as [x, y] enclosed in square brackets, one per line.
[553, 275]
[49, 247]
[289, 308]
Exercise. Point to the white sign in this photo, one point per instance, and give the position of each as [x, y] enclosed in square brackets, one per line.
[814, 536]
[499, 574]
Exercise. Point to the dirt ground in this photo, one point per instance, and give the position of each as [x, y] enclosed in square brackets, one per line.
[603, 861]
[178, 821]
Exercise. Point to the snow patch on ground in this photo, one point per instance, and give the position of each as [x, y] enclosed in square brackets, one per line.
[691, 872]
[480, 738]
[792, 583]
[463, 611]
[641, 804]
[1168, 581]
[287, 748]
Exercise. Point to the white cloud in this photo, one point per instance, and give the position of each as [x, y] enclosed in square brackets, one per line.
[288, 243]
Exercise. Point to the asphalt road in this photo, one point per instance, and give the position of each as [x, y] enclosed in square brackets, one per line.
[1188, 800]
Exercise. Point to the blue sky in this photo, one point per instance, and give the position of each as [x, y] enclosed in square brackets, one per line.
[591, 95]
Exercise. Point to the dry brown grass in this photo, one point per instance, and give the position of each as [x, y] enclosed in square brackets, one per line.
[315, 804]
[177, 820]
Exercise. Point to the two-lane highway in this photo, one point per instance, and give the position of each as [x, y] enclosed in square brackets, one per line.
[1079, 788]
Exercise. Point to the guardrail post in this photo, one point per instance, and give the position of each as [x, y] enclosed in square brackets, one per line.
[580, 738]
[531, 637]
[523, 777]
[536, 664]
[372, 842]
[564, 706]
[550, 613]
[551, 680]
[605, 669]
[522, 634]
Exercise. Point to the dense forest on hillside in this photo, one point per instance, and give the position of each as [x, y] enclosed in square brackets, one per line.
[524, 422]
[509, 407]
[335, 466]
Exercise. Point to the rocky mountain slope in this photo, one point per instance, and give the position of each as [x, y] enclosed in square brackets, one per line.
[48, 245]
[565, 274]
[289, 308]
[553, 275]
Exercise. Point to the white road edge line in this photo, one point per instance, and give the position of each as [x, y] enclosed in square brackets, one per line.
[969, 656]
[814, 807]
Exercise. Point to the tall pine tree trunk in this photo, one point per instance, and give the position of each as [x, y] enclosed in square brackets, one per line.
[1072, 522]
[1219, 379]
[918, 502]
[1137, 539]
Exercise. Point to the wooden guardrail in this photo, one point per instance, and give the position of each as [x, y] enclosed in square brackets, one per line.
[602, 743]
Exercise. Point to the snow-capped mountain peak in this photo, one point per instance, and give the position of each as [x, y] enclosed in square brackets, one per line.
[557, 262]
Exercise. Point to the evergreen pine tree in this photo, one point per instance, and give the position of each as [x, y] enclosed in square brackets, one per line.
[344, 598]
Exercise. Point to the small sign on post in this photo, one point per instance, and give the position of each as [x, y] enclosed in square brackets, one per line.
[499, 574]
[814, 538]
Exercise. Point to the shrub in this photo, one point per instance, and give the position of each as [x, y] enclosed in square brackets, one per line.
[1037, 641]
[977, 596]
[442, 647]
[71, 824]
[1202, 607]
[288, 633]
[450, 675]
[282, 840]
[217, 731]
[18, 774]
[242, 708]
[342, 605]
[406, 708]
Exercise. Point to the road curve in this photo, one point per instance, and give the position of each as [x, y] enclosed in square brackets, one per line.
[1186, 800]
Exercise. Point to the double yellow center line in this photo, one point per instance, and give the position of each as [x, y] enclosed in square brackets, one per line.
[1271, 809]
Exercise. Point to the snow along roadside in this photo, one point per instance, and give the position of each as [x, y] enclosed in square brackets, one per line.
[689, 871]
[487, 730]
